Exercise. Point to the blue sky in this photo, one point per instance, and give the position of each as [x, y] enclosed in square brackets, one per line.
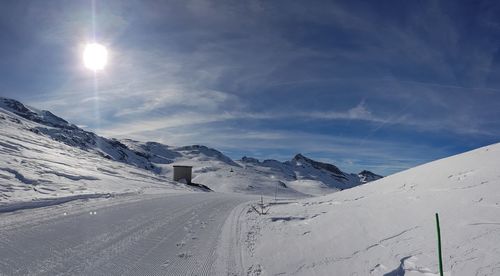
[379, 85]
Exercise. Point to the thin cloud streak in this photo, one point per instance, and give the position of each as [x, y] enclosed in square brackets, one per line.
[412, 73]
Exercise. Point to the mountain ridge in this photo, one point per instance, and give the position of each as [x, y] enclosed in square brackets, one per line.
[158, 158]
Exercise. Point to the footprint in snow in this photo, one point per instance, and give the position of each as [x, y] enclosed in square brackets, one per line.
[166, 263]
[184, 255]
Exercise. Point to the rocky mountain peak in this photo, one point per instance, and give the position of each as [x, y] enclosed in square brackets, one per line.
[318, 165]
[367, 176]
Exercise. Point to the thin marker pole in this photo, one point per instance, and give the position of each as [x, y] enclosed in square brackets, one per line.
[276, 193]
[439, 246]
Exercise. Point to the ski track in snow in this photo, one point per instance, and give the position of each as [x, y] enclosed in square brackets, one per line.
[165, 235]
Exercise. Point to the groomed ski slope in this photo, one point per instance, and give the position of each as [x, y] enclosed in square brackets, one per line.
[176, 234]
[387, 227]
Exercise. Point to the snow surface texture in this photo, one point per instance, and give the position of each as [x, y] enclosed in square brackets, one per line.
[168, 234]
[387, 227]
[43, 156]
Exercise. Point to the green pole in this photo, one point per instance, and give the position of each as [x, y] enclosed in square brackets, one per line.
[439, 246]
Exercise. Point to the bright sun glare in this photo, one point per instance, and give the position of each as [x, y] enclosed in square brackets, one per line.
[95, 56]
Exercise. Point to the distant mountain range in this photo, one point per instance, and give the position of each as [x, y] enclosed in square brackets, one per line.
[299, 176]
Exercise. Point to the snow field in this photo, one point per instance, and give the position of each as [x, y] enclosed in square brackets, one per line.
[387, 227]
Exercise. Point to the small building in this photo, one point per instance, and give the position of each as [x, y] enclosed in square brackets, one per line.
[183, 172]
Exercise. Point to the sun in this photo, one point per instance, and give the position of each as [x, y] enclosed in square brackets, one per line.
[95, 56]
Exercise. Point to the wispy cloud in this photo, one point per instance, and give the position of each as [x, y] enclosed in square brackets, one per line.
[273, 77]
[359, 112]
[163, 123]
[180, 98]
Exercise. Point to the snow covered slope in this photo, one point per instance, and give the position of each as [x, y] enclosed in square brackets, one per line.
[39, 161]
[298, 177]
[60, 130]
[387, 227]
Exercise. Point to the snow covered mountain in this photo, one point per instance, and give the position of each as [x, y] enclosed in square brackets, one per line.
[306, 175]
[299, 176]
[49, 136]
[43, 158]
[367, 176]
[387, 227]
[60, 130]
